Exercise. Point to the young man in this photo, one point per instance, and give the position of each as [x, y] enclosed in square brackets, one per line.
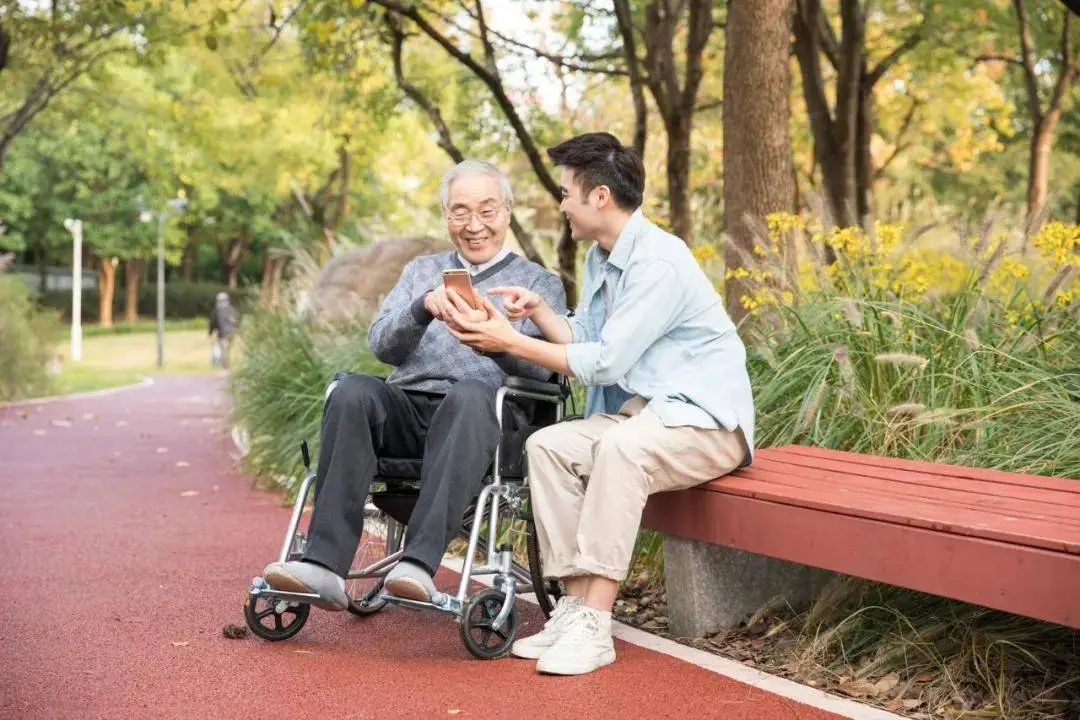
[438, 403]
[668, 407]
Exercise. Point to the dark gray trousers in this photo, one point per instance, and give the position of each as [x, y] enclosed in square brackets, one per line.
[364, 418]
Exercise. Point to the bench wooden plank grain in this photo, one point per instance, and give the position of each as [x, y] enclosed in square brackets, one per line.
[940, 534]
[1066, 510]
[932, 468]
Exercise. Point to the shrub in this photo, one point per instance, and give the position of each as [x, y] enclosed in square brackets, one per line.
[278, 385]
[27, 336]
[182, 300]
[964, 351]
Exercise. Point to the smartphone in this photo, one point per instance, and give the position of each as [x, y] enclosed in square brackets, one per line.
[461, 282]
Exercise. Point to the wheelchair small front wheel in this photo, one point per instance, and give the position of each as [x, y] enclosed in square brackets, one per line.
[479, 637]
[273, 619]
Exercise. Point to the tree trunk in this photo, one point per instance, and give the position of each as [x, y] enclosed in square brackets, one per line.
[230, 254]
[43, 269]
[678, 179]
[106, 290]
[133, 272]
[1042, 141]
[864, 169]
[567, 261]
[758, 172]
[187, 261]
[272, 268]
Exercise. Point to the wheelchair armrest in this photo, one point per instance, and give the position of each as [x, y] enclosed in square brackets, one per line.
[556, 390]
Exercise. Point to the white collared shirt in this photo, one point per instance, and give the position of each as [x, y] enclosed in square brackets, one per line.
[477, 269]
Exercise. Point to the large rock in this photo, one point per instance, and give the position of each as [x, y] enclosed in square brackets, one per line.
[352, 285]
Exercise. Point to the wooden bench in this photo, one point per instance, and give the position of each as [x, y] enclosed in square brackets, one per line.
[1001, 540]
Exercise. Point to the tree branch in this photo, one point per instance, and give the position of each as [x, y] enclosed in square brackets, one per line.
[569, 62]
[1028, 62]
[624, 18]
[701, 26]
[828, 43]
[1068, 66]
[898, 144]
[493, 83]
[889, 60]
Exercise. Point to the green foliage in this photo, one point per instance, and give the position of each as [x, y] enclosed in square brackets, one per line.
[279, 384]
[965, 353]
[182, 300]
[26, 339]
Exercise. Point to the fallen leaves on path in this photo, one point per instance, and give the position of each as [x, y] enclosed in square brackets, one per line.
[181, 463]
[180, 643]
[189, 493]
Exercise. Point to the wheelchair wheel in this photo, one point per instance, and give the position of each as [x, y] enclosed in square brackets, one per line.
[479, 637]
[547, 591]
[273, 619]
[382, 538]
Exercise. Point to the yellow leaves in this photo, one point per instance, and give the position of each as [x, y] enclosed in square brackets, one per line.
[321, 29]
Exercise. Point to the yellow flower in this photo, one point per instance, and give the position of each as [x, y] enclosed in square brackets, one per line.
[1008, 275]
[849, 241]
[782, 222]
[887, 236]
[704, 253]
[1059, 243]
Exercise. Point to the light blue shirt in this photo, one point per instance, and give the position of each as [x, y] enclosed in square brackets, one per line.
[658, 329]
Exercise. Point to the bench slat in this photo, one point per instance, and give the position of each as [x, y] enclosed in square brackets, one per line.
[927, 479]
[1014, 578]
[995, 476]
[901, 511]
[841, 480]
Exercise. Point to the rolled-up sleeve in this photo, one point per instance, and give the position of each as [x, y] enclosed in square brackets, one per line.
[643, 312]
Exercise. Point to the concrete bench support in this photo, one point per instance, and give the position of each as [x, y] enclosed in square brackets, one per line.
[712, 587]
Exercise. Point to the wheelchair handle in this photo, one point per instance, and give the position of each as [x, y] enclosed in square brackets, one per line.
[306, 455]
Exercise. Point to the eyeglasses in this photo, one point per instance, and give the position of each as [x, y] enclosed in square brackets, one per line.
[461, 218]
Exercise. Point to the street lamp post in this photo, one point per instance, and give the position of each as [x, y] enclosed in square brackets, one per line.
[75, 228]
[175, 206]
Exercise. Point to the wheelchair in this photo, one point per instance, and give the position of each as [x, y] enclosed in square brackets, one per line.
[487, 619]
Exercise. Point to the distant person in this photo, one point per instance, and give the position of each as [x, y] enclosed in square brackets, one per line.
[223, 320]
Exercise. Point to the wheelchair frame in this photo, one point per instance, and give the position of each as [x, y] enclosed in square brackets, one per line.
[509, 579]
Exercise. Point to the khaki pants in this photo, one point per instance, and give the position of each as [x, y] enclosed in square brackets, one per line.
[589, 481]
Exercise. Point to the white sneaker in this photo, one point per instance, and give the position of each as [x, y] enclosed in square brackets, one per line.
[584, 645]
[533, 646]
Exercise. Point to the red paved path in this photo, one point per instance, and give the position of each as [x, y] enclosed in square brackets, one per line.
[108, 565]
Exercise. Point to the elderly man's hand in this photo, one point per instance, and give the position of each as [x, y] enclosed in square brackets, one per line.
[456, 303]
[493, 333]
[437, 302]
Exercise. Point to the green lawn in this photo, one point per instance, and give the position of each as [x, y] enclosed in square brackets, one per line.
[122, 357]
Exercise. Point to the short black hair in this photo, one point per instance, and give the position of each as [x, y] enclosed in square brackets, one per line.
[599, 158]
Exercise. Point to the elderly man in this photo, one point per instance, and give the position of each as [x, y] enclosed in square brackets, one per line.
[438, 403]
[669, 403]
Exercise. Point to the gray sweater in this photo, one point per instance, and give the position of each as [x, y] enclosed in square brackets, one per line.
[424, 354]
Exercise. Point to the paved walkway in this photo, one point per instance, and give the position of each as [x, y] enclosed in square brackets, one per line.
[130, 542]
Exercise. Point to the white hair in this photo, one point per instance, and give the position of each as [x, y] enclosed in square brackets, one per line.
[475, 167]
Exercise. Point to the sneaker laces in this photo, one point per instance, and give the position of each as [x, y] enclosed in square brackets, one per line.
[584, 625]
[564, 607]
